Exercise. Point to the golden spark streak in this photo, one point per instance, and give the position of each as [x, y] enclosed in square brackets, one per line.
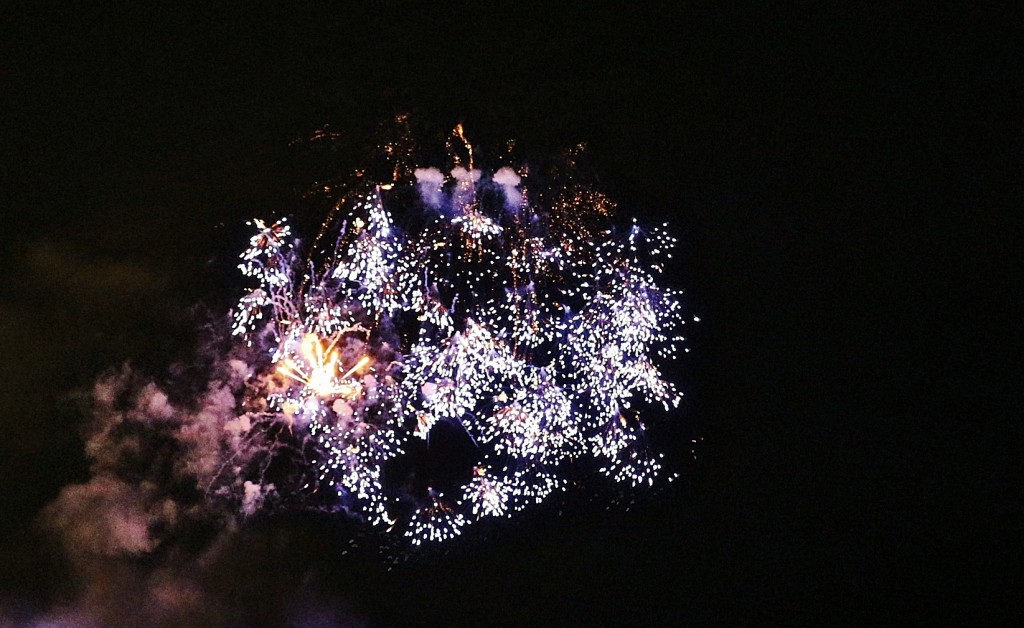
[459, 133]
[323, 363]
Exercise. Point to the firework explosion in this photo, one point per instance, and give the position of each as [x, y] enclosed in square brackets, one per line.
[520, 322]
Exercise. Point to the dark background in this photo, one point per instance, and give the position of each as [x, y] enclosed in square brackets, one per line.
[828, 170]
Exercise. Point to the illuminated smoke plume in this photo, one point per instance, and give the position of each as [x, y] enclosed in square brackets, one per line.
[158, 467]
[509, 181]
[153, 537]
[430, 182]
[460, 346]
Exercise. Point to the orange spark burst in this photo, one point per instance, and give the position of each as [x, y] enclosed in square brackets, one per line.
[322, 377]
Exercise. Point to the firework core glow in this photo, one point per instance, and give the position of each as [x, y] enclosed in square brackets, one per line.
[500, 310]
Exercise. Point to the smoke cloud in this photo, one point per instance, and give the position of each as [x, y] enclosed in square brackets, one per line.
[430, 182]
[154, 536]
[508, 180]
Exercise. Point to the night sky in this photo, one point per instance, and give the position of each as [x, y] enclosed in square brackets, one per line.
[825, 168]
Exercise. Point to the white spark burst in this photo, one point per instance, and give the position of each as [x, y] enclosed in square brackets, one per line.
[526, 321]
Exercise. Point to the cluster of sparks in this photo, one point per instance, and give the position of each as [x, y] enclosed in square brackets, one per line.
[522, 321]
